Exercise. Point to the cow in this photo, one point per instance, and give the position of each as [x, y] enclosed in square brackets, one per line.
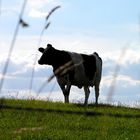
[75, 69]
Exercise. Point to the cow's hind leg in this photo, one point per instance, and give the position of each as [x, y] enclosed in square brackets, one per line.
[96, 93]
[87, 91]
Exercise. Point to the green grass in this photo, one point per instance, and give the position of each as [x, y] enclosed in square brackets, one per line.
[40, 120]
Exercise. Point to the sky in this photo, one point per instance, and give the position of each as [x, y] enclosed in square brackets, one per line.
[111, 28]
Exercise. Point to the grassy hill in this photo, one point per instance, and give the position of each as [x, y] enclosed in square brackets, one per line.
[40, 120]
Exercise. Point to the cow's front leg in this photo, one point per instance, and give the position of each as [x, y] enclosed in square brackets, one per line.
[87, 91]
[66, 90]
[65, 86]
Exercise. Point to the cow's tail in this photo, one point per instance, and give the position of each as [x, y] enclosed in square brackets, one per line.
[97, 57]
[98, 67]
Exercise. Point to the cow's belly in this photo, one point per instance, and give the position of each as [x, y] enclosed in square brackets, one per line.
[77, 81]
[82, 82]
[80, 78]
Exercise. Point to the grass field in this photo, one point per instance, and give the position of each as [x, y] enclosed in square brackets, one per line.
[40, 120]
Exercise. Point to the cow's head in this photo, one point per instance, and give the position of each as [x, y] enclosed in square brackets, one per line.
[48, 55]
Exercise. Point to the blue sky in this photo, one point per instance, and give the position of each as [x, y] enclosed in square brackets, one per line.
[82, 26]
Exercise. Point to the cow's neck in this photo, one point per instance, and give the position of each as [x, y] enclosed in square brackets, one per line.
[61, 58]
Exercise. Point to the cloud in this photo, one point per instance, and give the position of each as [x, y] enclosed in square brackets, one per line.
[40, 8]
[40, 3]
[130, 57]
[128, 81]
[37, 13]
[122, 80]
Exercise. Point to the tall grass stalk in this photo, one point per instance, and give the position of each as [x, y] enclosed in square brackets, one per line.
[35, 59]
[12, 45]
[45, 27]
[115, 74]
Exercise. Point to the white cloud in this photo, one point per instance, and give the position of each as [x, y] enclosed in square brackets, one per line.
[40, 8]
[37, 13]
[38, 4]
[122, 59]
[122, 80]
[128, 81]
[131, 56]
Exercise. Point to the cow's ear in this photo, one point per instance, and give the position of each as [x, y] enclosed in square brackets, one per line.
[49, 46]
[41, 50]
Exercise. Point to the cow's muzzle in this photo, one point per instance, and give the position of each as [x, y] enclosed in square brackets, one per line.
[39, 62]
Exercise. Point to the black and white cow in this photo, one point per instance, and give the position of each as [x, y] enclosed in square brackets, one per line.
[84, 70]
